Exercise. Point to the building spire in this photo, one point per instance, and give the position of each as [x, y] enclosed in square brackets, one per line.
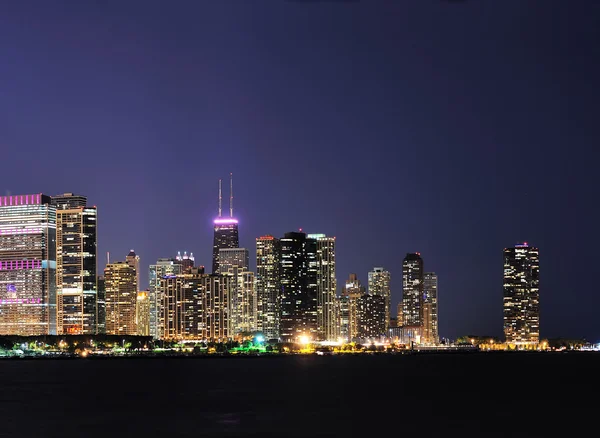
[220, 202]
[231, 195]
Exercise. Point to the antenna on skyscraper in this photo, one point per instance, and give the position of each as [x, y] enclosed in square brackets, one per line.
[220, 202]
[231, 195]
[107, 257]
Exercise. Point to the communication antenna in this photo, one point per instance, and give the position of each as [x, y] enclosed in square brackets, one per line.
[220, 202]
[108, 257]
[231, 195]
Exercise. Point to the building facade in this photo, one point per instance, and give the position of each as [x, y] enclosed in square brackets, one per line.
[351, 293]
[298, 287]
[27, 265]
[101, 302]
[326, 286]
[121, 298]
[76, 252]
[268, 259]
[522, 294]
[133, 260]
[142, 314]
[430, 308]
[412, 290]
[371, 316]
[233, 262]
[379, 283]
[163, 267]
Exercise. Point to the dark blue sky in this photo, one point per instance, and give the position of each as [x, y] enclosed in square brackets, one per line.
[449, 128]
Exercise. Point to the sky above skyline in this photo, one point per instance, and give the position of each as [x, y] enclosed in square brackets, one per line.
[453, 129]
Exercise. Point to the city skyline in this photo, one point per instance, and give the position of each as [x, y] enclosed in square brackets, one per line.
[454, 139]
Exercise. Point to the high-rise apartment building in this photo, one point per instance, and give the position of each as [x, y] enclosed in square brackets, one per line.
[76, 287]
[430, 308]
[233, 262]
[142, 314]
[268, 259]
[379, 284]
[522, 294]
[326, 286]
[121, 298]
[351, 293]
[101, 302]
[298, 287]
[163, 267]
[412, 289]
[225, 230]
[27, 265]
[133, 260]
[195, 306]
[371, 316]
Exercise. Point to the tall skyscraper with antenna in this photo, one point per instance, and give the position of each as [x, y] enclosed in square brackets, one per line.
[226, 229]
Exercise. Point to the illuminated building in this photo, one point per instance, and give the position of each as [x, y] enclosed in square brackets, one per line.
[195, 306]
[268, 259]
[186, 262]
[352, 292]
[27, 265]
[142, 314]
[379, 284]
[133, 260]
[412, 289]
[326, 286]
[242, 301]
[225, 230]
[430, 308]
[406, 335]
[371, 316]
[76, 288]
[162, 268]
[121, 298]
[521, 294]
[343, 303]
[399, 315]
[101, 302]
[298, 287]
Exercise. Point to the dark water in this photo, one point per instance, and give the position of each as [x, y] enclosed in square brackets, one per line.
[461, 394]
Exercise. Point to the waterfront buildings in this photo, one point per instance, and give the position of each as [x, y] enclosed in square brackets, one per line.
[142, 314]
[298, 287]
[379, 284]
[371, 310]
[225, 230]
[430, 308]
[163, 267]
[27, 265]
[233, 262]
[268, 259]
[121, 298]
[351, 293]
[101, 302]
[76, 288]
[412, 289]
[521, 294]
[326, 286]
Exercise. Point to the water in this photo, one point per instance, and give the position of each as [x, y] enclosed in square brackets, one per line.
[481, 394]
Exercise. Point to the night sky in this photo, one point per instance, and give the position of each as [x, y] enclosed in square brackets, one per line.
[453, 129]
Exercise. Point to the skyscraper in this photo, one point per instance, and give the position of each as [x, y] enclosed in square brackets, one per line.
[371, 316]
[326, 286]
[133, 260]
[352, 292]
[121, 298]
[142, 314]
[522, 294]
[162, 268]
[412, 289]
[225, 230]
[268, 259]
[186, 262]
[379, 284]
[233, 262]
[298, 287]
[76, 287]
[27, 265]
[101, 303]
[430, 308]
